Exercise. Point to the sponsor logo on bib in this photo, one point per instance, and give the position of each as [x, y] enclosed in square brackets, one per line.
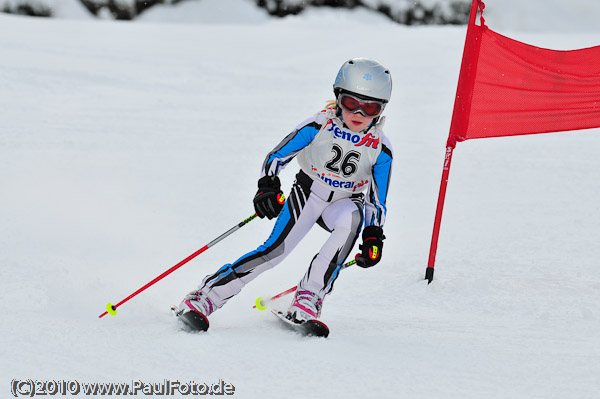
[368, 140]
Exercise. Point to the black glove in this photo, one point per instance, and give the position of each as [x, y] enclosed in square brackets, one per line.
[269, 199]
[371, 247]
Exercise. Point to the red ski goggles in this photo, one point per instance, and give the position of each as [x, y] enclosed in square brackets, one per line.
[352, 104]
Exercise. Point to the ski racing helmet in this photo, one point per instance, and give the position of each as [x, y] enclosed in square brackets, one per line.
[366, 78]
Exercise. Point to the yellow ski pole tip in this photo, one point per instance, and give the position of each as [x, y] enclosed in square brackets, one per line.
[111, 309]
[259, 304]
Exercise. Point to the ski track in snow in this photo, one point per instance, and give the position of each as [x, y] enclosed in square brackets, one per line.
[126, 147]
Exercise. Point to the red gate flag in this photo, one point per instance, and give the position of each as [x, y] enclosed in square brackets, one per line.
[509, 88]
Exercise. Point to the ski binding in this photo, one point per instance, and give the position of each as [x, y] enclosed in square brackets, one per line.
[193, 321]
[310, 328]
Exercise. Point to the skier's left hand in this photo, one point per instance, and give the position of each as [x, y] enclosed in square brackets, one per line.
[371, 247]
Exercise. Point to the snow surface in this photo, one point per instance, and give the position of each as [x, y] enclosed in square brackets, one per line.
[126, 147]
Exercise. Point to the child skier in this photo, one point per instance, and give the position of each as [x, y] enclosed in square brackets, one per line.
[342, 153]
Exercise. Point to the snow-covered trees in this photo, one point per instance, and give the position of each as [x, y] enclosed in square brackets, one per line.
[409, 12]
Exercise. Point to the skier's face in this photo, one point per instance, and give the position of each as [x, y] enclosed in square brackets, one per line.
[357, 121]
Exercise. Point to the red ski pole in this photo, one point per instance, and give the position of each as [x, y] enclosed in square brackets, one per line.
[261, 303]
[112, 309]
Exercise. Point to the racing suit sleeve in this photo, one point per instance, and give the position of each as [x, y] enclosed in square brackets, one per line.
[290, 146]
[375, 207]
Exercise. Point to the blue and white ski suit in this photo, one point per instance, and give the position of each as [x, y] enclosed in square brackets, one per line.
[342, 184]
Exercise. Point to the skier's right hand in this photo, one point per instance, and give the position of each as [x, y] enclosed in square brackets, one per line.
[269, 199]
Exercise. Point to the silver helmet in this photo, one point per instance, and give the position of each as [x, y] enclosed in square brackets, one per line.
[365, 77]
